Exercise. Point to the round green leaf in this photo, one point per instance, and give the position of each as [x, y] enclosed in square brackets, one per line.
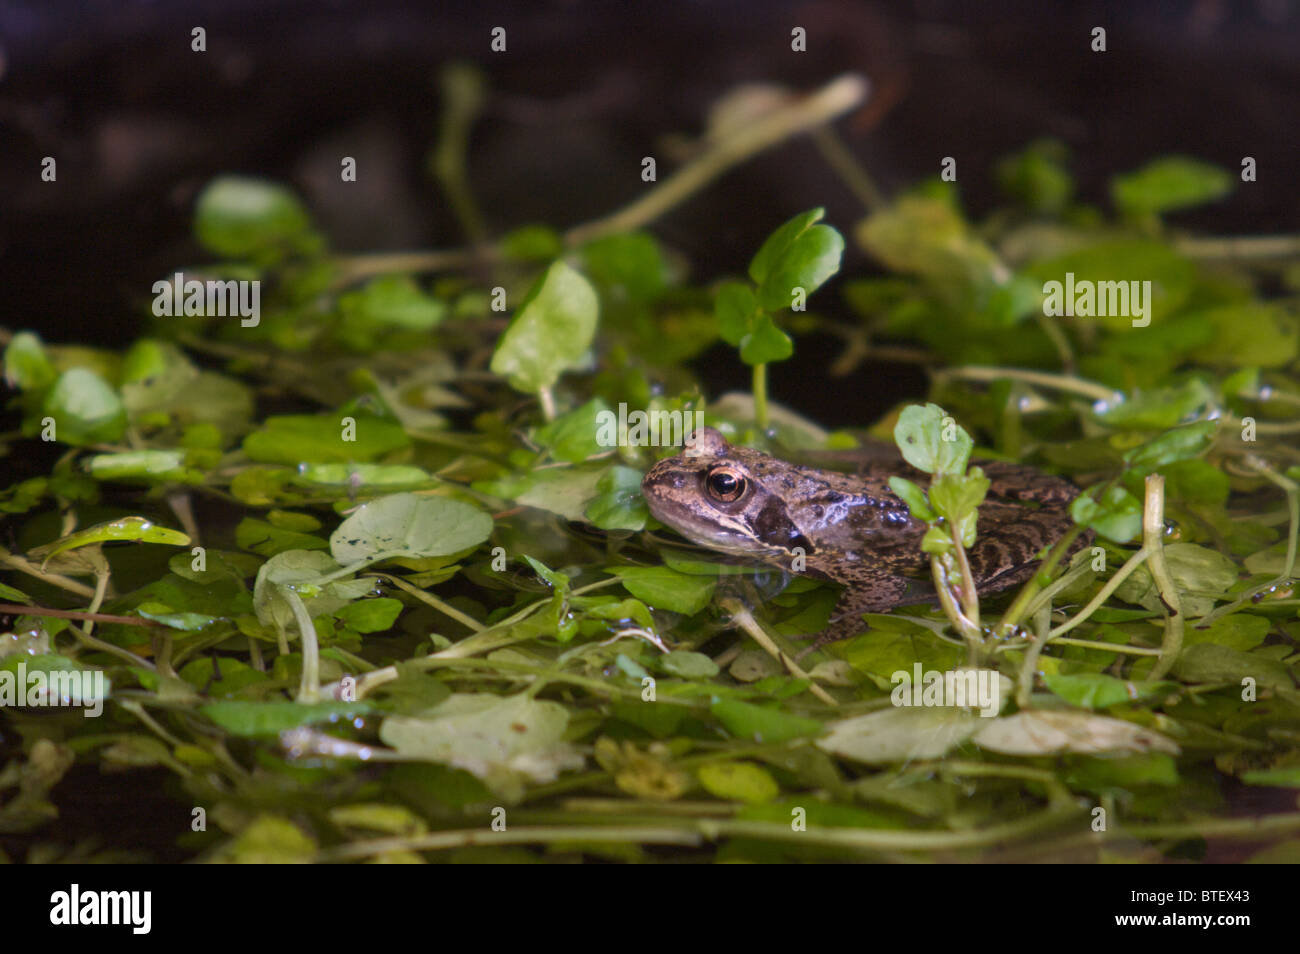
[86, 410]
[551, 331]
[239, 217]
[410, 526]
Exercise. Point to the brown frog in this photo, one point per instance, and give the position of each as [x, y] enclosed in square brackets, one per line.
[849, 528]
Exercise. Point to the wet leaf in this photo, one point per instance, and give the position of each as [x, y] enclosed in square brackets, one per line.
[739, 781]
[663, 588]
[503, 741]
[900, 734]
[407, 525]
[551, 330]
[1049, 732]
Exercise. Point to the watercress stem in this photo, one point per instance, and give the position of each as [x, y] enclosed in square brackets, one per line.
[1153, 529]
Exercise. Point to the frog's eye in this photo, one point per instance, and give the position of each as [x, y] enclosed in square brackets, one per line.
[725, 484]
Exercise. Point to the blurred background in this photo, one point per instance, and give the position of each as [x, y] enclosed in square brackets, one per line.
[139, 123]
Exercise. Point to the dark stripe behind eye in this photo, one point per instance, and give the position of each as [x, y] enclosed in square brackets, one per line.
[773, 526]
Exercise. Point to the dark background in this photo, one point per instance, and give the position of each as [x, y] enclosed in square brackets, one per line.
[138, 123]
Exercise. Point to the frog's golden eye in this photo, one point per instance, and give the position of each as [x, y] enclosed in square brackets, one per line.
[725, 484]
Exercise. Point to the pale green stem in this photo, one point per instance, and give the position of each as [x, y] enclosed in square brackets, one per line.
[1153, 531]
[1107, 647]
[838, 97]
[462, 92]
[309, 687]
[1103, 594]
[1058, 382]
[745, 620]
[424, 596]
[760, 396]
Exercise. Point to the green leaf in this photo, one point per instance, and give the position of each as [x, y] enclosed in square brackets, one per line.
[11, 595]
[273, 717]
[85, 408]
[1171, 446]
[1121, 260]
[1104, 774]
[765, 343]
[1037, 176]
[1117, 516]
[1240, 631]
[269, 840]
[186, 622]
[90, 690]
[896, 645]
[371, 616]
[1260, 334]
[259, 536]
[249, 218]
[550, 332]
[233, 675]
[956, 497]
[932, 441]
[1169, 184]
[1280, 777]
[1099, 691]
[390, 301]
[362, 475]
[24, 495]
[1159, 408]
[558, 581]
[913, 496]
[630, 261]
[301, 571]
[388, 819]
[124, 530]
[901, 734]
[1196, 482]
[738, 781]
[506, 742]
[777, 244]
[1049, 732]
[1201, 575]
[927, 236]
[799, 254]
[303, 438]
[667, 589]
[620, 611]
[1211, 663]
[532, 243]
[572, 437]
[148, 464]
[566, 491]
[735, 308]
[759, 724]
[27, 367]
[688, 665]
[618, 504]
[410, 526]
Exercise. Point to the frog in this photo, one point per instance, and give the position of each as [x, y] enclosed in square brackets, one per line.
[849, 527]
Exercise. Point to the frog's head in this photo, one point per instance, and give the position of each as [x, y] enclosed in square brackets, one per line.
[724, 497]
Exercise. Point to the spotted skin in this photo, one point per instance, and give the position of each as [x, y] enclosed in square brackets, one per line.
[850, 528]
